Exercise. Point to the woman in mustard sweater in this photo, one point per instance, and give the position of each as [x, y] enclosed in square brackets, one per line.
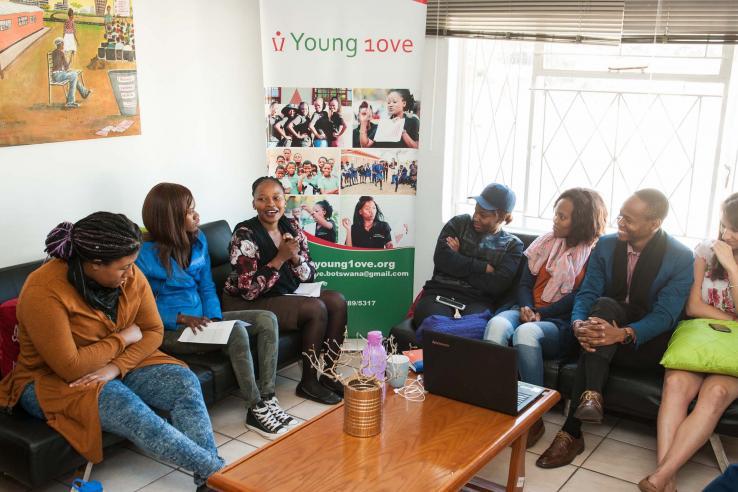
[89, 333]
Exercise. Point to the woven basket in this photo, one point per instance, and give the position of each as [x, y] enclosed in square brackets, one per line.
[362, 408]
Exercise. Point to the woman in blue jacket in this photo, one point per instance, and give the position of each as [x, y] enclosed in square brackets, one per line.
[176, 262]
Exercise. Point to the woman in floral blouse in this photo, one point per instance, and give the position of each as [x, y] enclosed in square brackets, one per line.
[270, 258]
[680, 432]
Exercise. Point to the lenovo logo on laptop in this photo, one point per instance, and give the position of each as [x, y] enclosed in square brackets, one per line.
[436, 342]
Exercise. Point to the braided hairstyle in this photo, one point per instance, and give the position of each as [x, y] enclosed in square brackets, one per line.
[101, 236]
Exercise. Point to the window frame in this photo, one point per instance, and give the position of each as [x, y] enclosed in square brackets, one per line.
[529, 216]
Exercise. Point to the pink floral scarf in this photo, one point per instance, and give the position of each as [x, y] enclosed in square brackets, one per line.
[564, 263]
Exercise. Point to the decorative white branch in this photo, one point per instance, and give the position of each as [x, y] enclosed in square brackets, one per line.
[341, 360]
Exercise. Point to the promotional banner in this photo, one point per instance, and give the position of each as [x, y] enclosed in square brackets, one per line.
[343, 113]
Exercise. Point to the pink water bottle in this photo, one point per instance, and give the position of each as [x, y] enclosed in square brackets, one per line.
[374, 357]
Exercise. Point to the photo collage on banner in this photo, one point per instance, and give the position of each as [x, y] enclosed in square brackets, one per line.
[342, 136]
[347, 158]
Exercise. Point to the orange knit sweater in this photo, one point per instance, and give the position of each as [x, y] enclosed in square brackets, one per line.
[62, 339]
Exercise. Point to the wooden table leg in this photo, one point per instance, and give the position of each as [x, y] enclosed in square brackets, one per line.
[516, 474]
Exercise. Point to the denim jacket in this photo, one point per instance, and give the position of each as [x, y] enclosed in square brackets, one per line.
[190, 291]
[463, 273]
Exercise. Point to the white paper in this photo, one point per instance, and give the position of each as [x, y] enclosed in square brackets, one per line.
[216, 332]
[307, 290]
[389, 130]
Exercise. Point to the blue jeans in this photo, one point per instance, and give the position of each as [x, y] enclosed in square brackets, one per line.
[74, 83]
[124, 410]
[533, 341]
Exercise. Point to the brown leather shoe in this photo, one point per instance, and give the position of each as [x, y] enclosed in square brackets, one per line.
[591, 408]
[535, 433]
[562, 451]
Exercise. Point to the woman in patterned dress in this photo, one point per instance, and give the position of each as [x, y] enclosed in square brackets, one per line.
[712, 296]
[270, 258]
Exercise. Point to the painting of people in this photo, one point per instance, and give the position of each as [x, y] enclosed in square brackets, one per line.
[67, 71]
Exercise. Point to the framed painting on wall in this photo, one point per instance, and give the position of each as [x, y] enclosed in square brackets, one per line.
[67, 71]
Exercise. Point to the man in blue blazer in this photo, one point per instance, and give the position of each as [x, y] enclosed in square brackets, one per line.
[632, 296]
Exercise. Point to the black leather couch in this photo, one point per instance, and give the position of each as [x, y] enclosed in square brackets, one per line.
[629, 393]
[33, 453]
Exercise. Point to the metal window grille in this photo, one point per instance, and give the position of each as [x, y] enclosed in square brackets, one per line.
[544, 117]
[274, 94]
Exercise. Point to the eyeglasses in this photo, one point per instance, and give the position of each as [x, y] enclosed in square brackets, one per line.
[622, 218]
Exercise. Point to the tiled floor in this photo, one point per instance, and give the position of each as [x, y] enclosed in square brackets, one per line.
[618, 454]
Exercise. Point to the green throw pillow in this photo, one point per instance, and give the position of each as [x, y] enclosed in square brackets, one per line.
[697, 347]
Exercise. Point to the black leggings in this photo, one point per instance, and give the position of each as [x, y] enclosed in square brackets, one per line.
[320, 320]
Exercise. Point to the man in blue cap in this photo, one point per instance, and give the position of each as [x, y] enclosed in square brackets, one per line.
[475, 261]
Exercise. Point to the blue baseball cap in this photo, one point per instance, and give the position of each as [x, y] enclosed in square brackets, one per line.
[496, 196]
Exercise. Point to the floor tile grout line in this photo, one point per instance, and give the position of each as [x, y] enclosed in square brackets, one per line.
[592, 452]
[599, 473]
[165, 475]
[576, 469]
[140, 452]
[649, 449]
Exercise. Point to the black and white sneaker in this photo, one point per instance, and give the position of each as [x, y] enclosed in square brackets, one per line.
[260, 418]
[284, 418]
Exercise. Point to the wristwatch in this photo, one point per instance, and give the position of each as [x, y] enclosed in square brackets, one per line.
[629, 338]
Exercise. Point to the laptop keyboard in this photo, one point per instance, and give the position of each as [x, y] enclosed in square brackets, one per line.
[522, 397]
[526, 394]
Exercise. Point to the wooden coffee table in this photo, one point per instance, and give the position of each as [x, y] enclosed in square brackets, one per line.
[439, 444]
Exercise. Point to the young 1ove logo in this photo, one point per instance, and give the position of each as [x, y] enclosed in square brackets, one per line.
[338, 45]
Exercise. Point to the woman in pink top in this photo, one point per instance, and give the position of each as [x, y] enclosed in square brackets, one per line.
[70, 36]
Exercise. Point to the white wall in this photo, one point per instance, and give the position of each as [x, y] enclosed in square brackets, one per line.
[201, 100]
[201, 97]
[432, 175]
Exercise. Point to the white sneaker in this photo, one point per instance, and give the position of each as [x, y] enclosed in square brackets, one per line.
[260, 419]
[284, 418]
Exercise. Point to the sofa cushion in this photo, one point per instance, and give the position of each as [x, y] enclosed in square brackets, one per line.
[218, 234]
[696, 346]
[13, 277]
[9, 347]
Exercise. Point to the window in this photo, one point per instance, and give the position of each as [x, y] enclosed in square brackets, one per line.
[343, 95]
[4, 25]
[545, 117]
[33, 19]
[274, 95]
[23, 20]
